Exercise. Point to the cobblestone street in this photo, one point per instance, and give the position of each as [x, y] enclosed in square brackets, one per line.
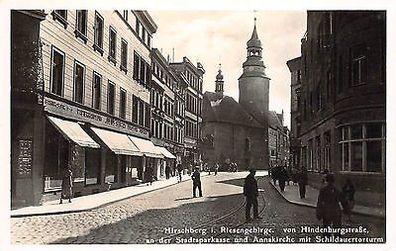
[148, 217]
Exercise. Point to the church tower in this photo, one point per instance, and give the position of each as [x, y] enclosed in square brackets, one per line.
[254, 83]
[219, 83]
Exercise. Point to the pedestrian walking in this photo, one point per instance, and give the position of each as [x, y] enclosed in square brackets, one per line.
[149, 175]
[67, 185]
[179, 168]
[282, 178]
[167, 171]
[216, 168]
[328, 207]
[250, 191]
[302, 182]
[348, 198]
[196, 178]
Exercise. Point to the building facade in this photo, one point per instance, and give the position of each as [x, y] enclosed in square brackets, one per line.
[191, 76]
[294, 66]
[341, 105]
[165, 96]
[278, 140]
[93, 104]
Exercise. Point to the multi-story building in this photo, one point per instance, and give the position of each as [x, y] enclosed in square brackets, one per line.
[187, 72]
[163, 98]
[87, 105]
[278, 140]
[341, 103]
[295, 123]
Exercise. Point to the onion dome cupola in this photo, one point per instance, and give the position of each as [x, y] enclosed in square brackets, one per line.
[219, 82]
[254, 64]
[254, 44]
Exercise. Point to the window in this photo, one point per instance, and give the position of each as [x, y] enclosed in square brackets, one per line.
[57, 71]
[148, 74]
[247, 145]
[79, 77]
[135, 107]
[340, 84]
[98, 37]
[143, 35]
[147, 116]
[124, 55]
[149, 41]
[137, 28]
[363, 147]
[142, 74]
[112, 45]
[110, 97]
[141, 112]
[81, 25]
[125, 14]
[92, 166]
[359, 65]
[61, 16]
[96, 90]
[136, 66]
[122, 103]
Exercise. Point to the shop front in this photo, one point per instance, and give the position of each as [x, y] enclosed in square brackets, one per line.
[169, 160]
[67, 145]
[94, 144]
[152, 158]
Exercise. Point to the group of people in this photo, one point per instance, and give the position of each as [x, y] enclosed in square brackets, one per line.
[332, 202]
[208, 168]
[280, 174]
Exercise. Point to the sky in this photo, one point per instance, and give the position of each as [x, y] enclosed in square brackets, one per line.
[214, 37]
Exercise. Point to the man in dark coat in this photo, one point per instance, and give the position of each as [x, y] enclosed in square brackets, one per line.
[250, 191]
[302, 182]
[179, 168]
[167, 171]
[196, 177]
[282, 178]
[328, 207]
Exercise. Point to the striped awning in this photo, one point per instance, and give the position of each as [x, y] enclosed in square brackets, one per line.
[146, 147]
[73, 132]
[166, 153]
[118, 143]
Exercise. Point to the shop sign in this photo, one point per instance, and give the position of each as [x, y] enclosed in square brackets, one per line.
[62, 108]
[25, 157]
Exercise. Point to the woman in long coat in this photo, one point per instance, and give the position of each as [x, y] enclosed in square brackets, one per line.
[67, 185]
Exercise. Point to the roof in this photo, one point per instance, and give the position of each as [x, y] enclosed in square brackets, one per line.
[218, 108]
[274, 120]
[254, 41]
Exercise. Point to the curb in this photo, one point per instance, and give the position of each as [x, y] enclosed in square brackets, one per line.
[313, 206]
[94, 207]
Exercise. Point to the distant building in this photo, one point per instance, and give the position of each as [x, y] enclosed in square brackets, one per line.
[191, 76]
[278, 140]
[340, 121]
[238, 132]
[295, 115]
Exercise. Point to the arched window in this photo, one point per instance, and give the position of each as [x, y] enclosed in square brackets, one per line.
[247, 145]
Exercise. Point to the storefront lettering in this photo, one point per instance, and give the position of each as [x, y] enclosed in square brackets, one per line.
[89, 115]
[61, 108]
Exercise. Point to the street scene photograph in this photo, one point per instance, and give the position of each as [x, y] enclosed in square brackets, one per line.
[133, 126]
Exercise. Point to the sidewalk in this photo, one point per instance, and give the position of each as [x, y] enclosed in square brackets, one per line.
[89, 202]
[291, 194]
